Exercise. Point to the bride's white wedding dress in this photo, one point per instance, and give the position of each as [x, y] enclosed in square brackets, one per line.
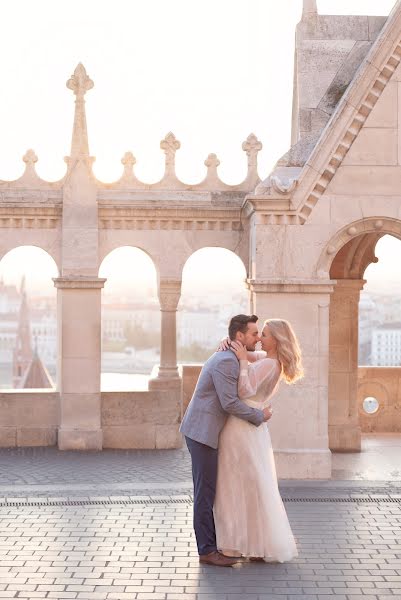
[249, 514]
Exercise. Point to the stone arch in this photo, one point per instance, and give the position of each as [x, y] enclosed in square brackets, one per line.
[350, 251]
[108, 250]
[50, 251]
[197, 249]
[130, 319]
[205, 306]
[345, 258]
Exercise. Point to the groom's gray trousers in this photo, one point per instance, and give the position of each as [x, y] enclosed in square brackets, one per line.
[214, 398]
[204, 475]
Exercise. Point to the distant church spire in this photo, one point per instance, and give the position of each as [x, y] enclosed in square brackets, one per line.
[309, 9]
[23, 349]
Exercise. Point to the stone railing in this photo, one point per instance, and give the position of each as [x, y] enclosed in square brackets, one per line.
[383, 384]
[150, 419]
[29, 418]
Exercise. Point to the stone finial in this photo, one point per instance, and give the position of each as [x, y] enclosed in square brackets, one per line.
[309, 9]
[170, 145]
[79, 83]
[212, 162]
[128, 160]
[252, 146]
[30, 159]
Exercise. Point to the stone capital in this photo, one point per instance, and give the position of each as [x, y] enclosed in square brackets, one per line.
[79, 282]
[350, 286]
[292, 286]
[169, 294]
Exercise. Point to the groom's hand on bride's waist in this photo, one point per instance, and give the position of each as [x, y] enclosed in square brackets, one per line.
[267, 412]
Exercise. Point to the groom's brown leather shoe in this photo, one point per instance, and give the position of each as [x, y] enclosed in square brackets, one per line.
[216, 559]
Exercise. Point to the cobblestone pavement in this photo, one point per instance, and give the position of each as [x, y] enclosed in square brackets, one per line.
[379, 461]
[347, 551]
[118, 524]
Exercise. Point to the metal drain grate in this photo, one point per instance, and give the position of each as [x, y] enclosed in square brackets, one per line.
[182, 500]
[351, 499]
[92, 502]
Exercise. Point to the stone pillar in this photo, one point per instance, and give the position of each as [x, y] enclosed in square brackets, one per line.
[344, 428]
[79, 340]
[167, 375]
[299, 426]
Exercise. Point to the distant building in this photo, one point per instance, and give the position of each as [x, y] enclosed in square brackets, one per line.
[36, 375]
[368, 321]
[10, 301]
[386, 345]
[116, 318]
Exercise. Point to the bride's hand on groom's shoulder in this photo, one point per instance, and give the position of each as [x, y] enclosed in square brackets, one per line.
[224, 344]
[239, 350]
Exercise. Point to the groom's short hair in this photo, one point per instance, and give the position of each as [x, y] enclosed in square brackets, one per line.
[240, 323]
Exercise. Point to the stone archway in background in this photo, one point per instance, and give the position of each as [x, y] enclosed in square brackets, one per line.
[345, 259]
[130, 319]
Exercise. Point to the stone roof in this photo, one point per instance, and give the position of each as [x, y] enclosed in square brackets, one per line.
[36, 375]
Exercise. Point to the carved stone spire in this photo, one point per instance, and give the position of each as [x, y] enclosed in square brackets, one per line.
[309, 9]
[23, 350]
[79, 83]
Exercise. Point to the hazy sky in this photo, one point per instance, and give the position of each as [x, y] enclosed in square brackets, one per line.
[210, 71]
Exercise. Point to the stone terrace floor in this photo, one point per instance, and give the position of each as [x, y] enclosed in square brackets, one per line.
[118, 524]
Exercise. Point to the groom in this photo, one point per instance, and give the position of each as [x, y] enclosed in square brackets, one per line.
[215, 397]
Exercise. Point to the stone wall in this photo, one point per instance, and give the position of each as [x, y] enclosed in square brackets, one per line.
[143, 420]
[28, 418]
[384, 384]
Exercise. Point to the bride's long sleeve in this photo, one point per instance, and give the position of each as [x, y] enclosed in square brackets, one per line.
[252, 375]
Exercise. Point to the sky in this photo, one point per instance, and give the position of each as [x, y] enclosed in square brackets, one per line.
[210, 71]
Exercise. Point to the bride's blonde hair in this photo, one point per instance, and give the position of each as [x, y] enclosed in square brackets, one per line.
[288, 350]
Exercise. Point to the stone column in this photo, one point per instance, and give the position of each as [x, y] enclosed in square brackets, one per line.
[167, 375]
[299, 426]
[79, 340]
[344, 428]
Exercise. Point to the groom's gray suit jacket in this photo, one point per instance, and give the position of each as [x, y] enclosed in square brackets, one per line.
[214, 398]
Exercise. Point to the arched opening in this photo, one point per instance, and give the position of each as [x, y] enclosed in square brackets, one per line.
[130, 320]
[365, 337]
[213, 290]
[28, 319]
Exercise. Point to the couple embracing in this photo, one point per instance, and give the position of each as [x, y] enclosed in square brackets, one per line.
[238, 511]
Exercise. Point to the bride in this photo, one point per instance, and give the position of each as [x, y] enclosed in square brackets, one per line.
[249, 514]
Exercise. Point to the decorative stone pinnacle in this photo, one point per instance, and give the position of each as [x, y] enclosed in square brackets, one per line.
[30, 157]
[128, 160]
[79, 82]
[309, 9]
[170, 145]
[252, 146]
[212, 161]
